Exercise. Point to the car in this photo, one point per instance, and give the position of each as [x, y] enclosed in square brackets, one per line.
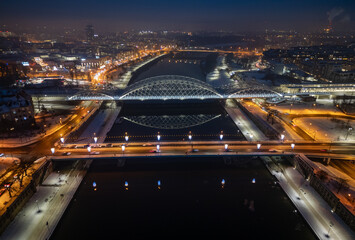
[153, 151]
[2, 191]
[94, 153]
[194, 150]
[109, 145]
[2, 155]
[7, 185]
[66, 153]
[274, 150]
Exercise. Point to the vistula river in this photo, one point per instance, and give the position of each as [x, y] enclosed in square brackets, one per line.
[192, 197]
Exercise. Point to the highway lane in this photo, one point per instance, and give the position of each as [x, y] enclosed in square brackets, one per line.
[345, 151]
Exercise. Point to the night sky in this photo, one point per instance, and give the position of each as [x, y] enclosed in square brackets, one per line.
[235, 15]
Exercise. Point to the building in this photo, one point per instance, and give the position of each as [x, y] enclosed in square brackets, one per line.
[16, 110]
[342, 76]
[89, 31]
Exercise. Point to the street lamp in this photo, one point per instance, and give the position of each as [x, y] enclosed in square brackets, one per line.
[123, 148]
[347, 134]
[221, 136]
[258, 146]
[126, 136]
[158, 136]
[158, 148]
[95, 140]
[62, 140]
[89, 148]
[292, 146]
[190, 136]
[282, 137]
[37, 206]
[331, 224]
[251, 137]
[226, 147]
[52, 150]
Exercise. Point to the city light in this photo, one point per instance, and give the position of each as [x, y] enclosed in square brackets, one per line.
[275, 89]
[158, 136]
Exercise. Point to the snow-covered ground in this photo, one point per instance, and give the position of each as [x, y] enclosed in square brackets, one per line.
[328, 128]
[100, 125]
[6, 162]
[220, 76]
[322, 106]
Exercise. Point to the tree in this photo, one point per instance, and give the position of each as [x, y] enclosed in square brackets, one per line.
[323, 175]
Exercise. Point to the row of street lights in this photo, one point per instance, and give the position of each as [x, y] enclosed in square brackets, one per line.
[282, 137]
[126, 137]
[123, 147]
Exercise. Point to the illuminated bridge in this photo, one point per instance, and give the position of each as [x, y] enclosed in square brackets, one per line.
[173, 87]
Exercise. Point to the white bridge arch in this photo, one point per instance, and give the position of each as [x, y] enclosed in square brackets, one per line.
[166, 87]
[173, 87]
[90, 95]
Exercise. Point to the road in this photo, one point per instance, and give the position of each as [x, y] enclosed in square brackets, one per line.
[43, 146]
[339, 150]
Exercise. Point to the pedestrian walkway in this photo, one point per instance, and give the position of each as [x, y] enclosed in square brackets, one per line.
[250, 131]
[325, 224]
[41, 214]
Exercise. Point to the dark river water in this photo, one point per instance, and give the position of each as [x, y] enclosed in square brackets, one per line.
[198, 197]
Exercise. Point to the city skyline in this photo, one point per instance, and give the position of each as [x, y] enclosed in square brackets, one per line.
[111, 16]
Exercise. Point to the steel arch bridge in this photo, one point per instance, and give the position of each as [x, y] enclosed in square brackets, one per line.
[173, 87]
[91, 95]
[168, 87]
[172, 121]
